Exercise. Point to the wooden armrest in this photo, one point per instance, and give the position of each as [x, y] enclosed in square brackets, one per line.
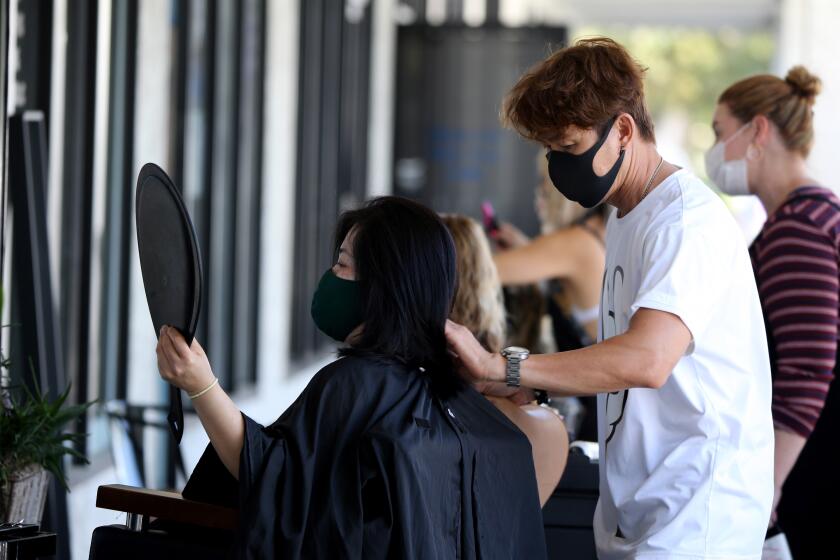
[170, 506]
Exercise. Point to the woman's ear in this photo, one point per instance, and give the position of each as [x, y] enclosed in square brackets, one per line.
[763, 130]
[626, 126]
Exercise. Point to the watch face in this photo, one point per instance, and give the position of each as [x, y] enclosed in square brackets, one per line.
[515, 351]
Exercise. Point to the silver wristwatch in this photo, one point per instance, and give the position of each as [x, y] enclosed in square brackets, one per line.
[514, 356]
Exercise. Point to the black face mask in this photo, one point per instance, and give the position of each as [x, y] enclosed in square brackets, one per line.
[574, 177]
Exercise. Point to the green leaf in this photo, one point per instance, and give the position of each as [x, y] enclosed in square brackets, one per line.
[32, 430]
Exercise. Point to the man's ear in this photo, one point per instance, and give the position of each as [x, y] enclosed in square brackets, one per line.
[626, 126]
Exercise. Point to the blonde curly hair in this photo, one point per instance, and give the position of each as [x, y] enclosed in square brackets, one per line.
[478, 303]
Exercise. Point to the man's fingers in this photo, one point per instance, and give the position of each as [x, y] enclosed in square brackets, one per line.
[455, 335]
[453, 327]
[473, 357]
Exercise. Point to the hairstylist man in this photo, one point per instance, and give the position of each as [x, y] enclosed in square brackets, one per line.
[681, 367]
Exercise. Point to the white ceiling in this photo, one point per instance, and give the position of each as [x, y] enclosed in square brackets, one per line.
[706, 13]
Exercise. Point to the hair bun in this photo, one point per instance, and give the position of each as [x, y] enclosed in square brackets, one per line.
[803, 83]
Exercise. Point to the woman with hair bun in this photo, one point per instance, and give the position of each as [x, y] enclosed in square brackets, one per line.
[764, 130]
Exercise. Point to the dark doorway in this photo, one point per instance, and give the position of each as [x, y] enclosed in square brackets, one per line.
[450, 150]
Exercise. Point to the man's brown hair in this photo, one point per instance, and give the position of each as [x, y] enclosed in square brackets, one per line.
[584, 85]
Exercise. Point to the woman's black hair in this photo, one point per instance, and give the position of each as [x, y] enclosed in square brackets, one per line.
[405, 264]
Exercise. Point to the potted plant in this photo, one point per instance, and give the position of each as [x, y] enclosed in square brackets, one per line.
[32, 445]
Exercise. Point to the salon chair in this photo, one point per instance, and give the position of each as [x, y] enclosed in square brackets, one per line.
[568, 514]
[159, 524]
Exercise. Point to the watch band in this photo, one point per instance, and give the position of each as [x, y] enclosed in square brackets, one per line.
[513, 376]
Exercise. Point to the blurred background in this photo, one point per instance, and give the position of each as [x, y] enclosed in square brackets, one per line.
[272, 116]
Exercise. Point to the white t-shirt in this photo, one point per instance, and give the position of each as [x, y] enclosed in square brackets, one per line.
[687, 469]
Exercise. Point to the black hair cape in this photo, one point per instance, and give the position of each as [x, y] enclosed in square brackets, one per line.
[369, 463]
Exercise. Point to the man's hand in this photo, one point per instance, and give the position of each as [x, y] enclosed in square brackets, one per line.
[522, 396]
[477, 365]
[483, 369]
[496, 389]
[184, 366]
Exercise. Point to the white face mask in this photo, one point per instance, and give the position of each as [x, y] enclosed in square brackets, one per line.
[729, 176]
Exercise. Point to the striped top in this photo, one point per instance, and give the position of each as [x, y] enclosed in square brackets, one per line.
[795, 259]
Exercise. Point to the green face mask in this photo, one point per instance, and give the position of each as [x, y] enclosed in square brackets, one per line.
[336, 306]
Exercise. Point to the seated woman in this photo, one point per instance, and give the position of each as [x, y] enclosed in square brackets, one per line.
[478, 306]
[386, 453]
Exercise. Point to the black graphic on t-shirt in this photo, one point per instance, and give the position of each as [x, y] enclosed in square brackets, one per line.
[616, 401]
[615, 405]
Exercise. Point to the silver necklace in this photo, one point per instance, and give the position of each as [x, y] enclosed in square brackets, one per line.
[650, 181]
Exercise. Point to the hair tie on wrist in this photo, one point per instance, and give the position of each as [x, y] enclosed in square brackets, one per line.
[196, 395]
